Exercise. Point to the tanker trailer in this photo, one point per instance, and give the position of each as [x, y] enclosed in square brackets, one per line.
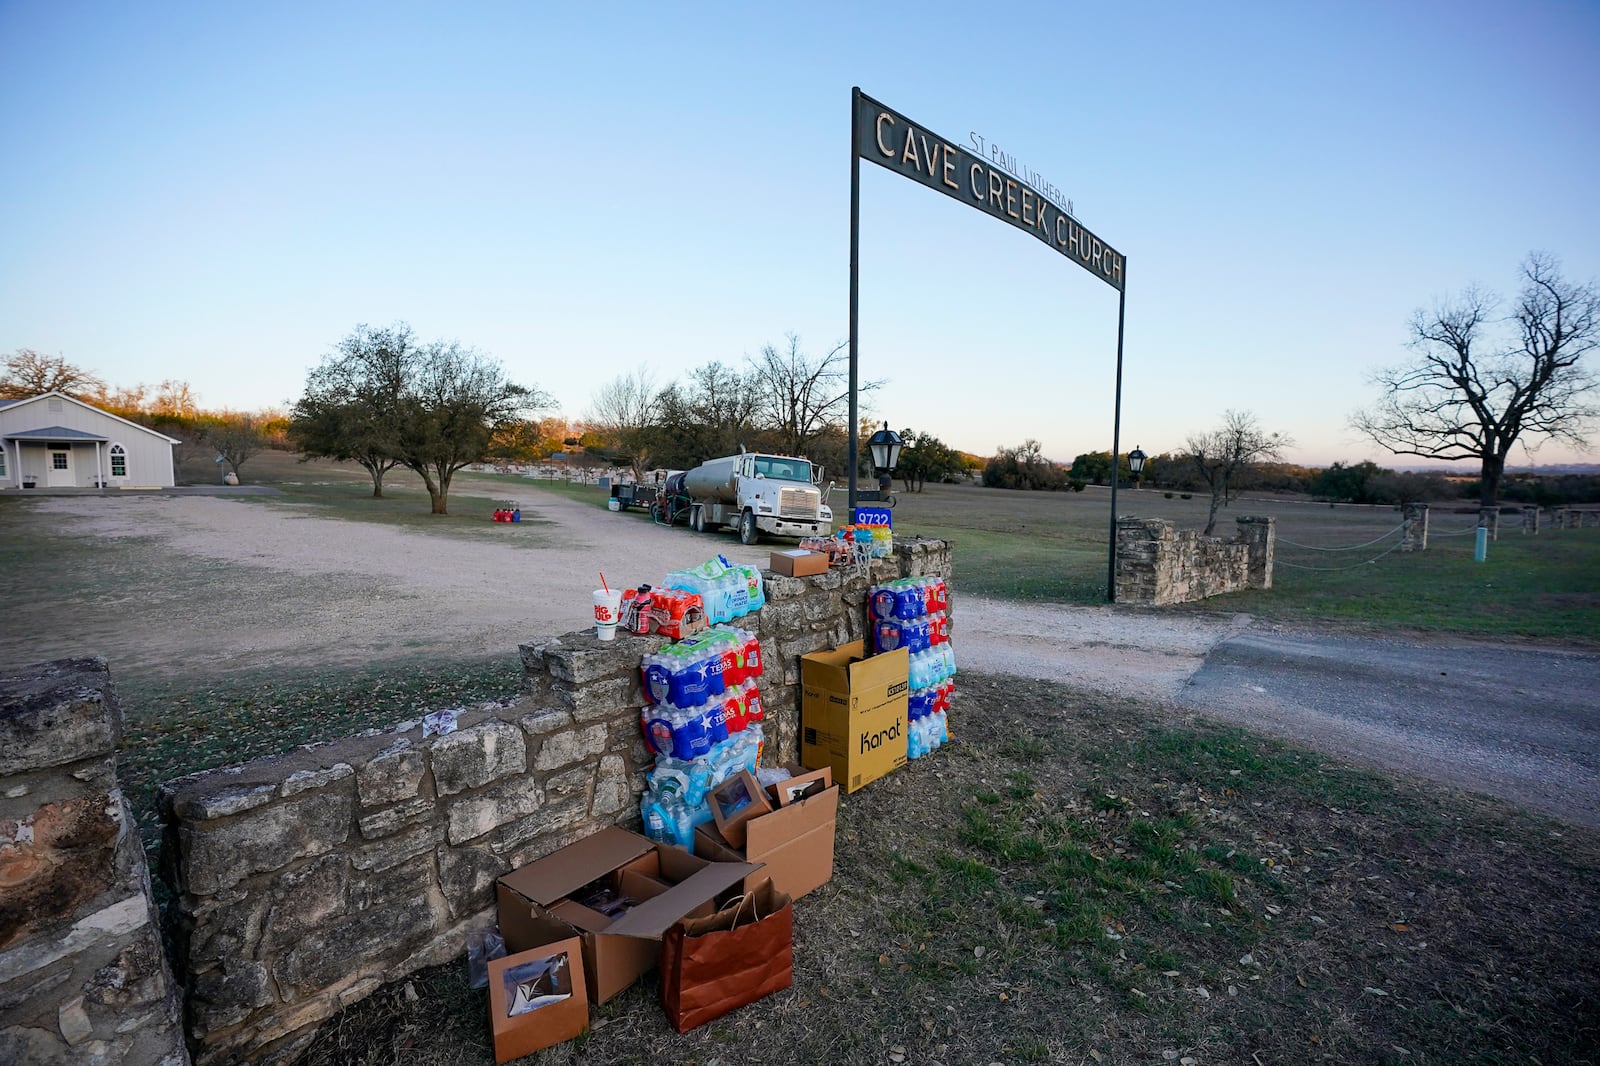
[757, 494]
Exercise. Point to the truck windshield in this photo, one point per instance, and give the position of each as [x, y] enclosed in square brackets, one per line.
[783, 469]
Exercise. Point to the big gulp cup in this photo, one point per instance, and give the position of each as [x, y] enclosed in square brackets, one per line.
[607, 610]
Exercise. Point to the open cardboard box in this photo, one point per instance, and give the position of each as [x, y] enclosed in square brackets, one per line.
[669, 883]
[793, 844]
[798, 562]
[551, 971]
[853, 712]
[735, 802]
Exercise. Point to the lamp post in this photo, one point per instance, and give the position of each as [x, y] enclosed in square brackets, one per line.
[884, 447]
[1136, 464]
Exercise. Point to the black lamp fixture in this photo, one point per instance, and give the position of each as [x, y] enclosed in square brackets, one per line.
[1136, 463]
[885, 447]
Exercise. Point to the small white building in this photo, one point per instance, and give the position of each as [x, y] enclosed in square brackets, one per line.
[54, 441]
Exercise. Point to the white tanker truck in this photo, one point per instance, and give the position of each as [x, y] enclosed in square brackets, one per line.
[755, 493]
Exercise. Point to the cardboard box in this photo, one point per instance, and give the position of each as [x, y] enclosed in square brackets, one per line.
[736, 801]
[801, 784]
[793, 844]
[615, 952]
[853, 712]
[797, 562]
[551, 970]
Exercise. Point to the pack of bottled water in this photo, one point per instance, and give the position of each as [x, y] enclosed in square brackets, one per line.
[674, 801]
[913, 613]
[726, 590]
[703, 723]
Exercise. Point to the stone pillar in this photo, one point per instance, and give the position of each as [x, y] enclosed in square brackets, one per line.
[1144, 560]
[83, 977]
[1530, 520]
[1414, 527]
[1489, 518]
[1259, 535]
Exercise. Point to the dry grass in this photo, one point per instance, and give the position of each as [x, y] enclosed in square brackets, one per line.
[1079, 880]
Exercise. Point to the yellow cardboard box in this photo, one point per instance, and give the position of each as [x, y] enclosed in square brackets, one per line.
[853, 713]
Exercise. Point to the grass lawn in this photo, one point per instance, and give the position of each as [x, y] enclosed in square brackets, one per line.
[1052, 547]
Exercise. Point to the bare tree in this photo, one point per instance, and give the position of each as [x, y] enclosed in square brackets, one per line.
[1468, 397]
[623, 413]
[799, 396]
[174, 397]
[1222, 454]
[29, 373]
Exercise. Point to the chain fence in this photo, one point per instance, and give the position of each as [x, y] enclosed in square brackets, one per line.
[1342, 548]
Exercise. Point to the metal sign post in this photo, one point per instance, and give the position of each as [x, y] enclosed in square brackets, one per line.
[889, 139]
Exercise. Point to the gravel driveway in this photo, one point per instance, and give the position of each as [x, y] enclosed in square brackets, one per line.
[1518, 722]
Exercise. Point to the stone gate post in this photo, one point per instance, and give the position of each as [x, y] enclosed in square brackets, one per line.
[1259, 534]
[83, 977]
[1414, 527]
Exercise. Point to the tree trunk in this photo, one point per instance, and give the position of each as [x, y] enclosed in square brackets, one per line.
[1211, 517]
[442, 493]
[1493, 467]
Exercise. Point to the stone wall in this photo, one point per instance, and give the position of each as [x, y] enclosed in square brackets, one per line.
[1160, 564]
[83, 979]
[304, 882]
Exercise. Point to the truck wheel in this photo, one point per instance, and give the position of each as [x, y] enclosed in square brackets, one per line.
[748, 533]
[697, 518]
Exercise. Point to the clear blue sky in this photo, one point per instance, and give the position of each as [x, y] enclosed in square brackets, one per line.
[219, 192]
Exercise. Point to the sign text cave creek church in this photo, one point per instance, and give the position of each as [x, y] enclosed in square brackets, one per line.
[893, 141]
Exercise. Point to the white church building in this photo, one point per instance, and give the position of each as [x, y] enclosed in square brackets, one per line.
[54, 441]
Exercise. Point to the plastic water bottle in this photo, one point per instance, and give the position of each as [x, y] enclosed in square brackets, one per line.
[755, 592]
[914, 748]
[889, 634]
[737, 590]
[689, 737]
[670, 777]
[730, 642]
[754, 710]
[711, 654]
[656, 674]
[657, 822]
[711, 712]
[753, 663]
[733, 713]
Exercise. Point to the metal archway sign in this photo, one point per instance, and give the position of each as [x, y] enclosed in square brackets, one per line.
[882, 135]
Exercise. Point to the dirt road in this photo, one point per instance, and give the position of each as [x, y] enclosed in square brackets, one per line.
[225, 584]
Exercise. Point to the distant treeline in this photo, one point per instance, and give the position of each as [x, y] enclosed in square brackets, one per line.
[1023, 467]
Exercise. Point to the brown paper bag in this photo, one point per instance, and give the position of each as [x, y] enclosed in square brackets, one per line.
[712, 965]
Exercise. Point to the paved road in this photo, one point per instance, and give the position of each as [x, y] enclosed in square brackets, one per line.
[1521, 723]
[1514, 721]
